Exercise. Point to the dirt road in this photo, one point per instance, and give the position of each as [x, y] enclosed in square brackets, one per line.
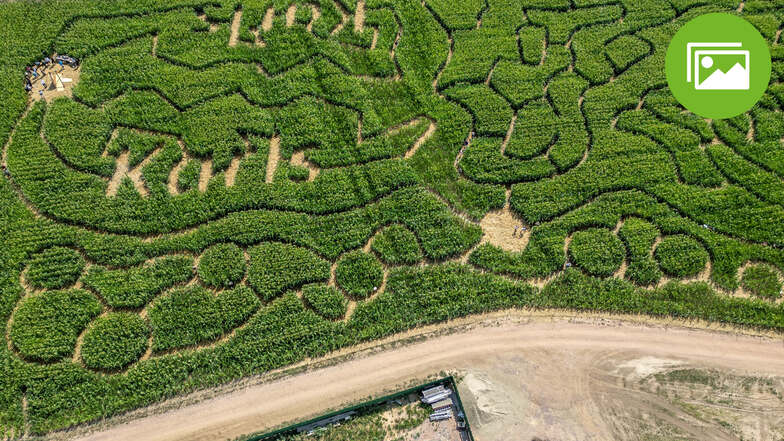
[523, 376]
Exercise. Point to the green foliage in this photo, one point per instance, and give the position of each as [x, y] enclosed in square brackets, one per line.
[222, 265]
[192, 315]
[638, 236]
[761, 281]
[681, 256]
[597, 251]
[46, 325]
[397, 245]
[189, 176]
[275, 267]
[626, 50]
[568, 108]
[359, 274]
[326, 300]
[55, 267]
[383, 422]
[134, 287]
[114, 341]
[79, 134]
[688, 301]
[491, 111]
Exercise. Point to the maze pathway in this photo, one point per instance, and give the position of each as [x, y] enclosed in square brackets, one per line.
[230, 187]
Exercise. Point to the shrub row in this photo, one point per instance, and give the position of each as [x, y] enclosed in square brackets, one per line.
[359, 274]
[46, 325]
[639, 235]
[326, 300]
[275, 267]
[114, 341]
[134, 287]
[396, 245]
[192, 315]
[597, 251]
[222, 265]
[681, 256]
[761, 281]
[55, 267]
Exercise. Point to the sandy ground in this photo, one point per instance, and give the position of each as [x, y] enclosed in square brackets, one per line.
[523, 375]
[69, 78]
[234, 36]
[122, 170]
[504, 229]
[291, 15]
[205, 174]
[298, 159]
[359, 17]
[266, 23]
[274, 157]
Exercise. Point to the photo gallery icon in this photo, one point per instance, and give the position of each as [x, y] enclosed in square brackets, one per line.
[717, 66]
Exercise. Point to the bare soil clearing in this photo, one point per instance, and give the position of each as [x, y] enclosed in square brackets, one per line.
[524, 375]
[231, 171]
[58, 81]
[504, 229]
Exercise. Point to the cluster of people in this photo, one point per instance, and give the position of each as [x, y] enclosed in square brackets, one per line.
[522, 229]
[42, 66]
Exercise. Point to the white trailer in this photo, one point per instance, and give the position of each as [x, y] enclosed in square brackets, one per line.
[441, 415]
[436, 398]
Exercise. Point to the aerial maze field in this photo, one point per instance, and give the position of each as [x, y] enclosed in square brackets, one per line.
[235, 186]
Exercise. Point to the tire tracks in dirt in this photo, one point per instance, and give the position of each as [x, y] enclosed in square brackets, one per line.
[351, 375]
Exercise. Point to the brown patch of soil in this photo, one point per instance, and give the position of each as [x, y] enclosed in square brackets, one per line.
[359, 17]
[499, 227]
[266, 23]
[316, 14]
[235, 28]
[231, 172]
[298, 159]
[58, 82]
[205, 174]
[291, 15]
[274, 157]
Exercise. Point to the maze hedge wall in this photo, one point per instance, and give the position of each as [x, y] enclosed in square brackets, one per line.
[229, 180]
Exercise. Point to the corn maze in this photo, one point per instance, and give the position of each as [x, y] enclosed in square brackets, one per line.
[233, 186]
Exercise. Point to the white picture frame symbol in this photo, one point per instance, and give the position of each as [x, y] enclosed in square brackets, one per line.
[734, 80]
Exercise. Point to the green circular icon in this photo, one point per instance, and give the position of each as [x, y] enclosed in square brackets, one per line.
[718, 65]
